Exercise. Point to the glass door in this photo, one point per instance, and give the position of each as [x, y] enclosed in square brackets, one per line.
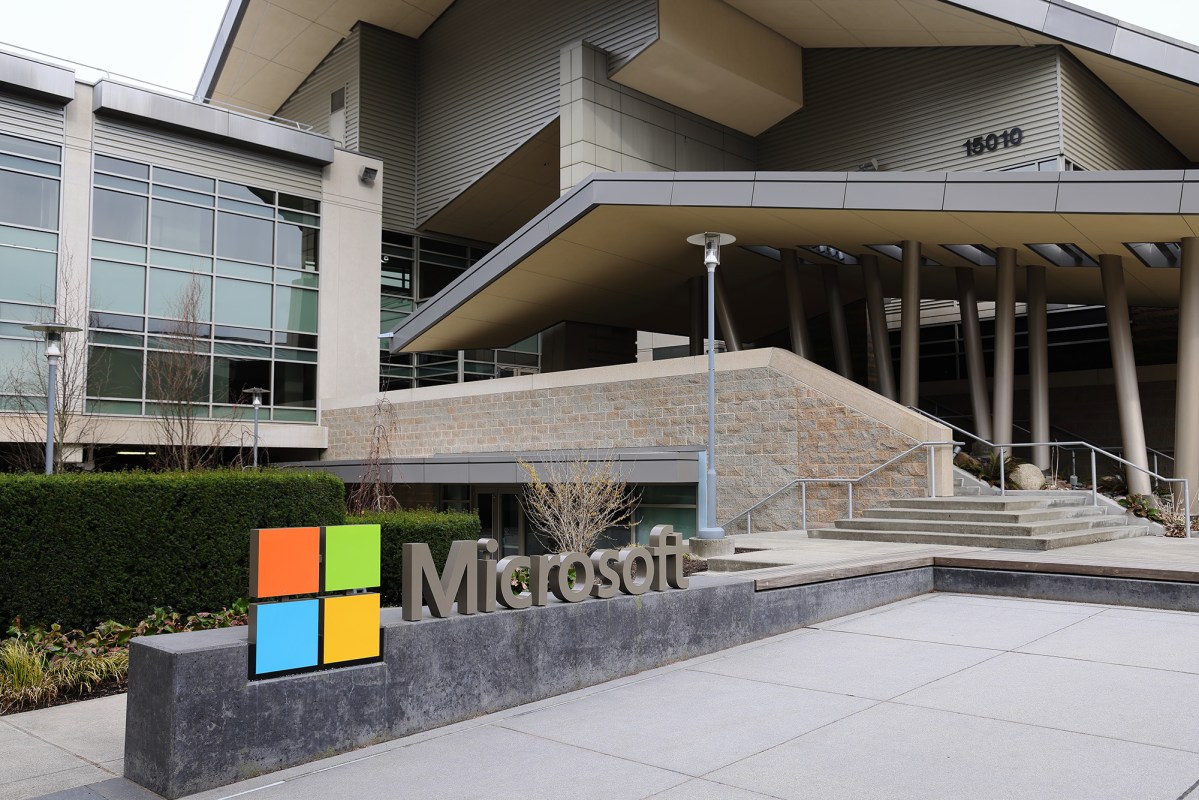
[502, 518]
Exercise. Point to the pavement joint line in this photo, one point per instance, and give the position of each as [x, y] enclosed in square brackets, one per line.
[753, 792]
[250, 791]
[1045, 727]
[1186, 793]
[904, 639]
[97, 764]
[1194, 674]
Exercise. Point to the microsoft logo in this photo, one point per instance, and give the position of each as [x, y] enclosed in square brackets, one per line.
[297, 630]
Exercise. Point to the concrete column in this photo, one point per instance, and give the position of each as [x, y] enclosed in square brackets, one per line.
[1038, 365]
[880, 338]
[976, 367]
[909, 335]
[695, 340]
[724, 315]
[1124, 367]
[1005, 344]
[801, 342]
[836, 320]
[1186, 413]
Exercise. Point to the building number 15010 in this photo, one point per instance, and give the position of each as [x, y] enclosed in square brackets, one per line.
[1012, 137]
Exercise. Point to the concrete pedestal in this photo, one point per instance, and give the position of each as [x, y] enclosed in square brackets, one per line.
[708, 548]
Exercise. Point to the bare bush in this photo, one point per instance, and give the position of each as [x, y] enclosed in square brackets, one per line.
[577, 501]
[373, 493]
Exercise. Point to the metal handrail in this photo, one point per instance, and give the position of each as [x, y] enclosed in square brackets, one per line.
[849, 482]
[1186, 484]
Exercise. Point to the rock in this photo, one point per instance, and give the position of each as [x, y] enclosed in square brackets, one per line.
[1027, 476]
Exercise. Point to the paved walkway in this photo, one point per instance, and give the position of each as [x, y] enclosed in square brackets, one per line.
[941, 696]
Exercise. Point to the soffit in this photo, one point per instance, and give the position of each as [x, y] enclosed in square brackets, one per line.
[279, 42]
[629, 266]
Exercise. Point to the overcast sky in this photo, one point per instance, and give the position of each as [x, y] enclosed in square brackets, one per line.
[166, 42]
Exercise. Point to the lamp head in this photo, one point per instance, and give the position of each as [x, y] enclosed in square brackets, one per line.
[711, 242]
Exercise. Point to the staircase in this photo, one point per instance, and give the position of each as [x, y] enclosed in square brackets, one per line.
[1021, 521]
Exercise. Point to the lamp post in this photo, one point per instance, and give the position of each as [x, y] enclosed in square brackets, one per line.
[52, 332]
[257, 394]
[711, 242]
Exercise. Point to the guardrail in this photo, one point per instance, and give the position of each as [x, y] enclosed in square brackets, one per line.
[849, 482]
[1000, 448]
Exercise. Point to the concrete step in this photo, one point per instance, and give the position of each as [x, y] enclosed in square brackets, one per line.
[1018, 517]
[993, 502]
[1042, 528]
[1048, 541]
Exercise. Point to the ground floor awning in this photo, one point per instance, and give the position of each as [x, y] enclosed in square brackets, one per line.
[613, 251]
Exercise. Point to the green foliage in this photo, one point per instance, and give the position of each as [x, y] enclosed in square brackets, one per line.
[1143, 505]
[989, 471]
[39, 664]
[80, 548]
[436, 528]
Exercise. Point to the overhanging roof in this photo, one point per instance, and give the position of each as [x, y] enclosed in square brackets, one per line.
[265, 48]
[612, 251]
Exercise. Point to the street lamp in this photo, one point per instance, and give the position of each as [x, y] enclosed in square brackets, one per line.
[52, 332]
[257, 394]
[711, 242]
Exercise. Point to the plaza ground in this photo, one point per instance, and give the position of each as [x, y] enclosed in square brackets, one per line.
[939, 696]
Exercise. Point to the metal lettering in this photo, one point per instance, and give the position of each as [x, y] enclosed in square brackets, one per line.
[609, 578]
[584, 576]
[503, 582]
[421, 581]
[626, 560]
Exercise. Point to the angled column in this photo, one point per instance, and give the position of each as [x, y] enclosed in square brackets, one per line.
[909, 334]
[1038, 365]
[836, 320]
[1005, 344]
[880, 337]
[801, 342]
[1128, 394]
[976, 367]
[1186, 414]
[695, 290]
[724, 316]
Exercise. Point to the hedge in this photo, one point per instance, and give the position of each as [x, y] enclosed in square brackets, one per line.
[436, 528]
[82, 548]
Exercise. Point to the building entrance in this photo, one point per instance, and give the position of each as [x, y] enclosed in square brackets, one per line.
[502, 518]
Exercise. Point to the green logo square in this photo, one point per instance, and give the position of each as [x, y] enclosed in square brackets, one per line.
[352, 555]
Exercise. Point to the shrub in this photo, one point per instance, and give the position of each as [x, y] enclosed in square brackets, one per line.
[29, 678]
[80, 548]
[435, 528]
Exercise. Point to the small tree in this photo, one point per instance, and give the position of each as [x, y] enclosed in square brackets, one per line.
[372, 493]
[577, 501]
[177, 372]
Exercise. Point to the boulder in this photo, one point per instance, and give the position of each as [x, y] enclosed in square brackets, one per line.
[1027, 476]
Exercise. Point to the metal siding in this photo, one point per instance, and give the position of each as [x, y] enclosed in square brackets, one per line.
[29, 118]
[914, 109]
[187, 154]
[487, 85]
[309, 103]
[387, 119]
[1101, 132]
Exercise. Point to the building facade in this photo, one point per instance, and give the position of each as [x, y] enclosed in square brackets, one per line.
[401, 200]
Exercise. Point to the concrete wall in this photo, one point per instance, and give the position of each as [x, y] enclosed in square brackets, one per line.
[195, 722]
[606, 127]
[778, 417]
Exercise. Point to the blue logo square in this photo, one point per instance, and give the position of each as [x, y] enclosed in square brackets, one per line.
[284, 635]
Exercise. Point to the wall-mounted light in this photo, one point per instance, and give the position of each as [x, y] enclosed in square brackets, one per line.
[368, 174]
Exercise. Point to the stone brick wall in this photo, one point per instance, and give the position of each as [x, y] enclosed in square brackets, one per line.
[778, 417]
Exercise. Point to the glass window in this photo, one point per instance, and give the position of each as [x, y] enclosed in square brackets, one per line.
[28, 200]
[232, 376]
[181, 227]
[29, 165]
[174, 178]
[114, 373]
[289, 278]
[244, 238]
[300, 203]
[182, 196]
[295, 384]
[171, 295]
[248, 194]
[242, 303]
[119, 216]
[27, 276]
[119, 252]
[118, 287]
[434, 278]
[176, 374]
[298, 247]
[109, 164]
[237, 269]
[18, 360]
[26, 238]
[27, 147]
[113, 182]
[295, 309]
[267, 212]
[181, 261]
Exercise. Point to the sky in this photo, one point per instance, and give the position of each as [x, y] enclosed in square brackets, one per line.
[166, 42]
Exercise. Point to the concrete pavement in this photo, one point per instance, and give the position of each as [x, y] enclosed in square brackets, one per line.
[941, 696]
